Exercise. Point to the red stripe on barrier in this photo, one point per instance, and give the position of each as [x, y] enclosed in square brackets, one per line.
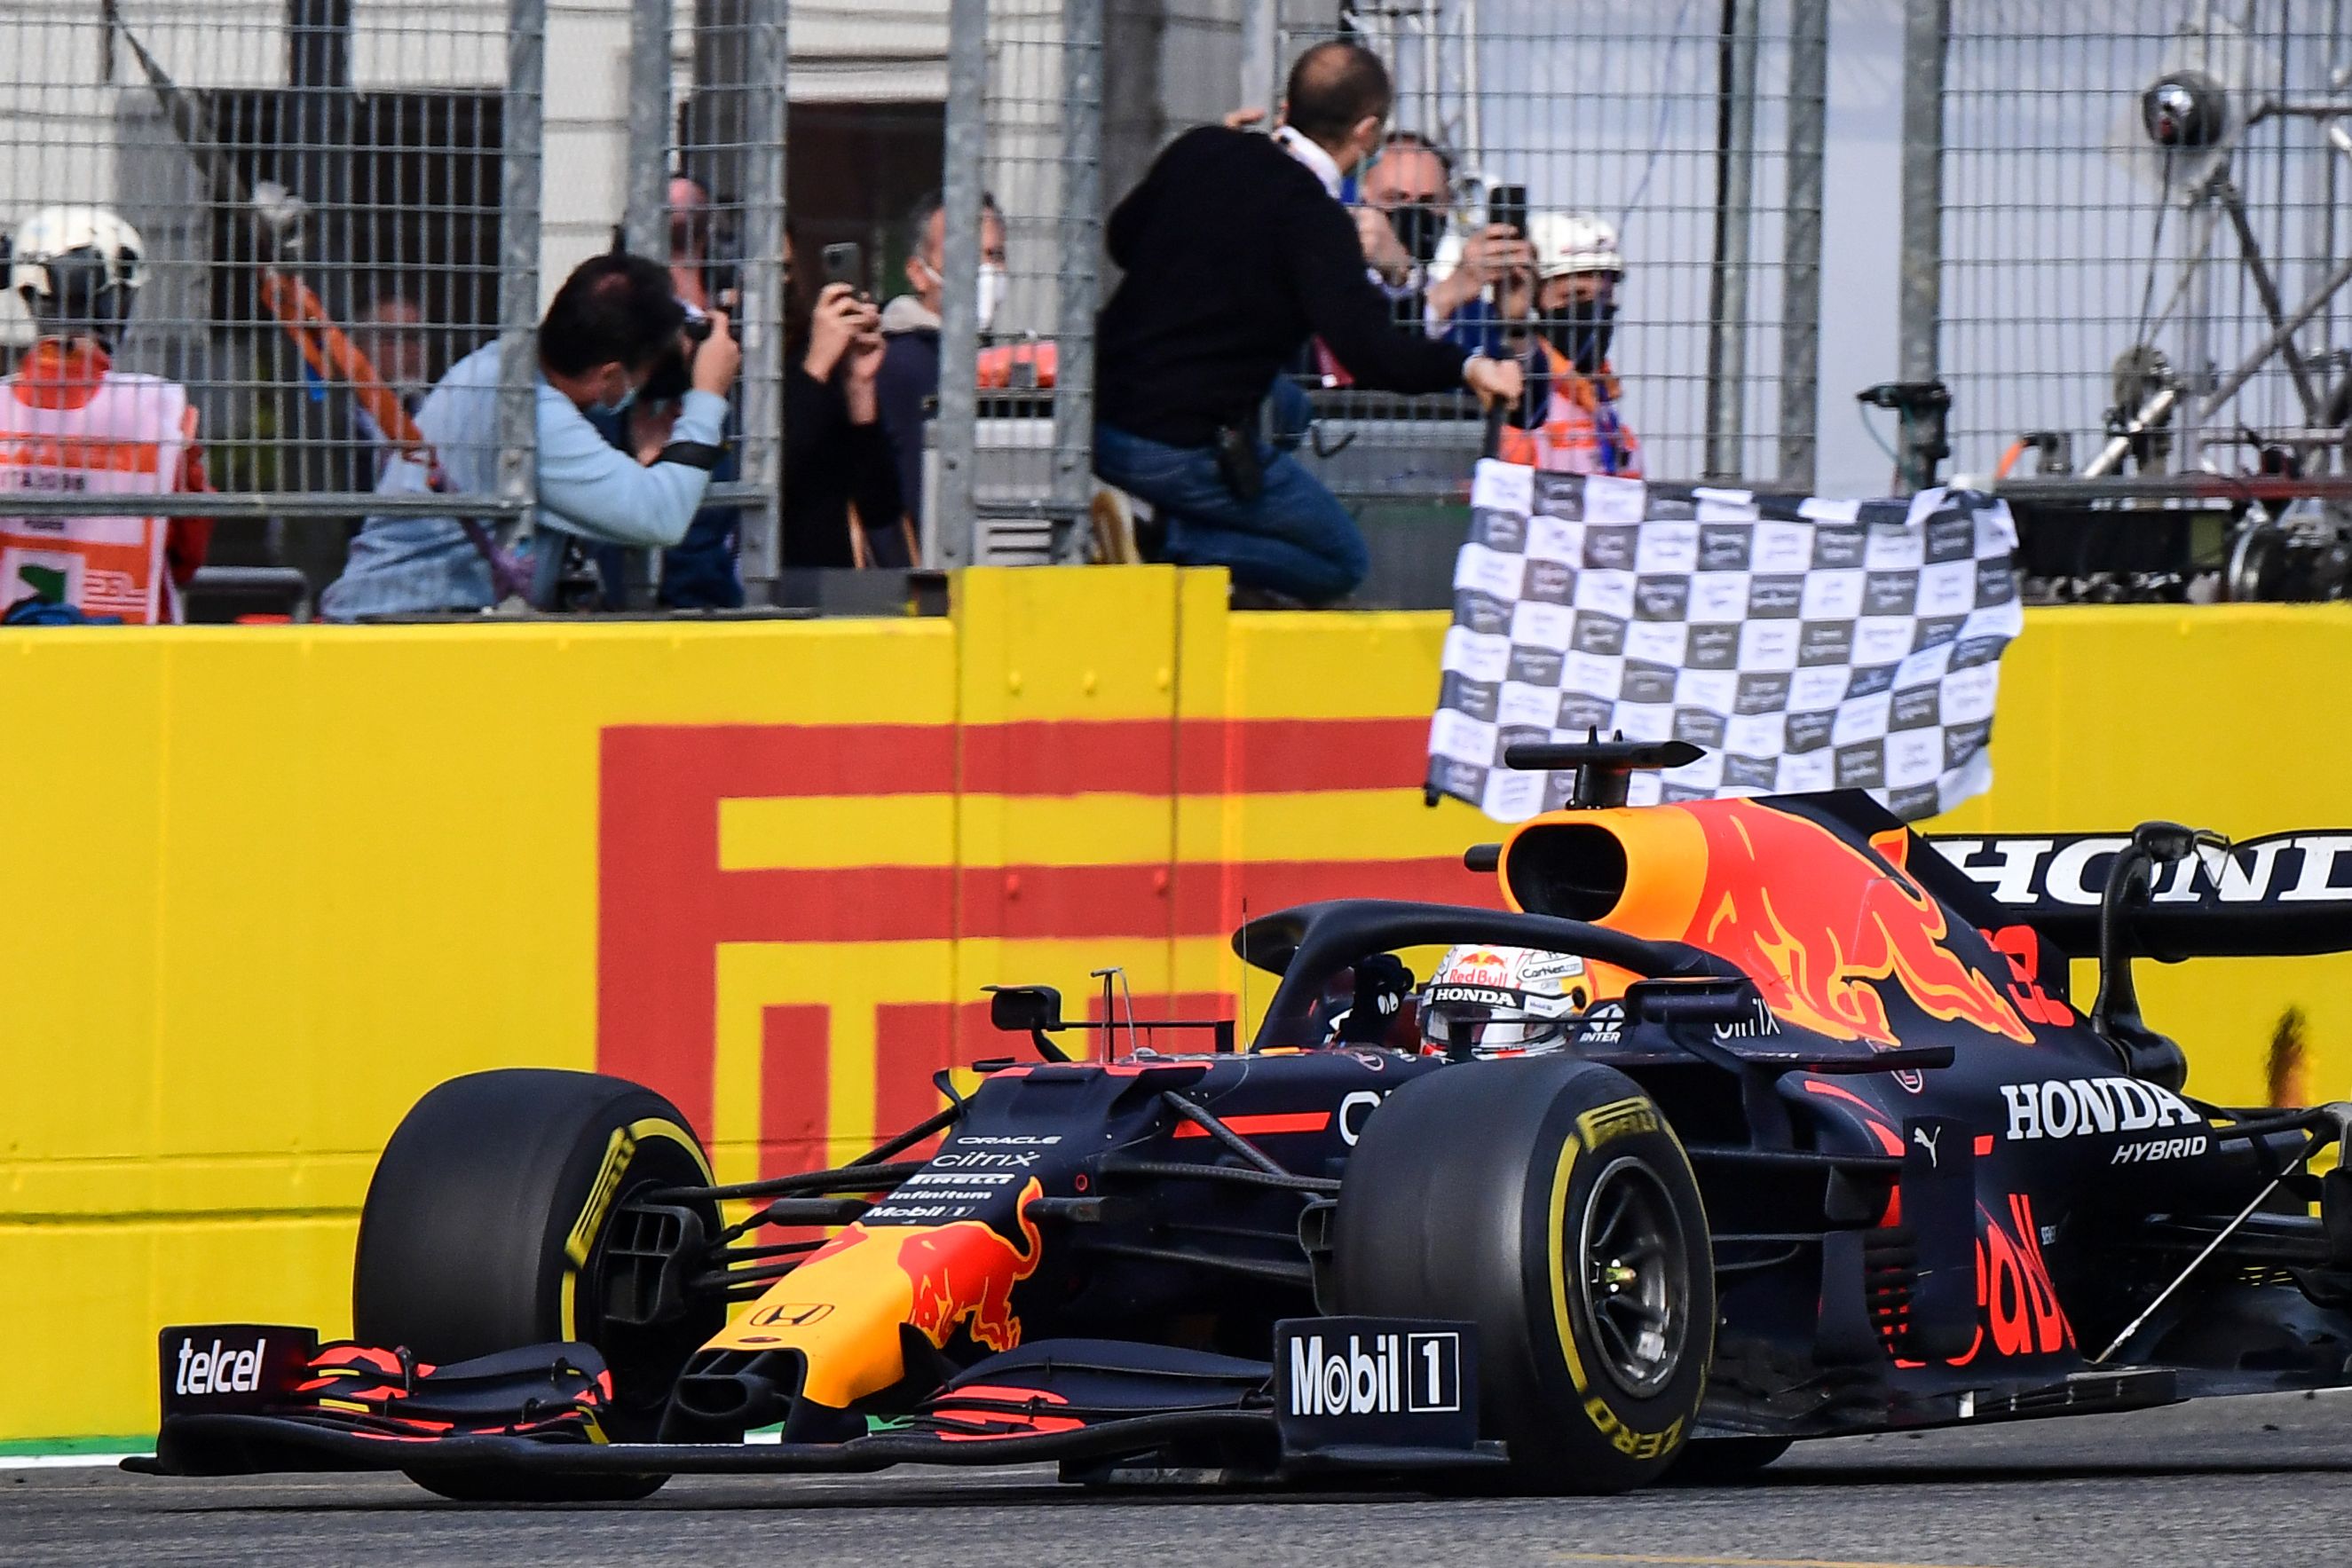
[1268, 756]
[796, 1075]
[1047, 758]
[665, 905]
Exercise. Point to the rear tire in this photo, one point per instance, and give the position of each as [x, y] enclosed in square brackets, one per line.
[1547, 1201]
[483, 1231]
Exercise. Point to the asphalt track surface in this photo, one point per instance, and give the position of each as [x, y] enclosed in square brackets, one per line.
[2265, 1481]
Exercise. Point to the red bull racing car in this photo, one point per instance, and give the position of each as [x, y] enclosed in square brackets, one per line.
[1803, 1134]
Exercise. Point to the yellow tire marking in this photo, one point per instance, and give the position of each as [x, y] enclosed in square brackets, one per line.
[618, 1154]
[1556, 1245]
[1617, 1119]
[1595, 1407]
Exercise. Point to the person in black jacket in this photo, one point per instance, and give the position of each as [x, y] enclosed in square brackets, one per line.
[1237, 250]
[910, 331]
[837, 457]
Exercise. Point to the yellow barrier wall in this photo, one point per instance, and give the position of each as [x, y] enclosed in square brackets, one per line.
[268, 885]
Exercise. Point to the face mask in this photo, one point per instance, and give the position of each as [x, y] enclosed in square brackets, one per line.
[619, 405]
[1581, 330]
[1418, 228]
[992, 283]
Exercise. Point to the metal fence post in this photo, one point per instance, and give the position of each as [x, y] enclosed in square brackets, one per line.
[1927, 24]
[956, 529]
[1261, 28]
[321, 121]
[1081, 250]
[645, 225]
[521, 170]
[759, 532]
[1801, 243]
[1735, 195]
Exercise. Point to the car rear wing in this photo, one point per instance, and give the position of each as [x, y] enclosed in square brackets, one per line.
[2281, 894]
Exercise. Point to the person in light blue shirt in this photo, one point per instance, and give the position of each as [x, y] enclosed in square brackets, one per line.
[615, 331]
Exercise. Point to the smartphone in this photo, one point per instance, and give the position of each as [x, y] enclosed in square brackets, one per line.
[1507, 204]
[844, 262]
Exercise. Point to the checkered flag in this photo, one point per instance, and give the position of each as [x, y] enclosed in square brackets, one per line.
[1806, 643]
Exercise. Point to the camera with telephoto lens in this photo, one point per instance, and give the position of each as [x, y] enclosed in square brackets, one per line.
[672, 374]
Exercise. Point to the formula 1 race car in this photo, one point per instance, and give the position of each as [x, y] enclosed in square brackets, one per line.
[1825, 1147]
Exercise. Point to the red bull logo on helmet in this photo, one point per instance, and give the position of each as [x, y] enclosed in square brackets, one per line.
[1819, 926]
[1478, 966]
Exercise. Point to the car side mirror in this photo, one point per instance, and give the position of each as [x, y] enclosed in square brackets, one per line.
[1018, 1010]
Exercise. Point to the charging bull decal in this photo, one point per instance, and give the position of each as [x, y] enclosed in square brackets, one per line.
[1816, 922]
[964, 1273]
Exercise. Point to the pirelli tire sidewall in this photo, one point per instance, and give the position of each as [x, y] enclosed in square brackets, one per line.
[1466, 1197]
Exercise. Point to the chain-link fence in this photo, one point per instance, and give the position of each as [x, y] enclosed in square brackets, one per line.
[1023, 199]
[418, 174]
[1694, 132]
[284, 167]
[1689, 132]
[336, 201]
[2142, 251]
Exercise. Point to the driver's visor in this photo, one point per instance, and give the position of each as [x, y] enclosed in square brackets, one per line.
[1487, 1025]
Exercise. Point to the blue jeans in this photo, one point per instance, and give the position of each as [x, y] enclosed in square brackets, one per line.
[1295, 538]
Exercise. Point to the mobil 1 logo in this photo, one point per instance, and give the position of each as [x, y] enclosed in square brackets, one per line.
[1375, 1382]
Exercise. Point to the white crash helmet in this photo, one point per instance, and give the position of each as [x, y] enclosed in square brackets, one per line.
[1502, 1001]
[1568, 243]
[77, 268]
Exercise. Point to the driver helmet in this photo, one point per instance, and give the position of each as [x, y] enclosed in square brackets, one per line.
[78, 269]
[1502, 1001]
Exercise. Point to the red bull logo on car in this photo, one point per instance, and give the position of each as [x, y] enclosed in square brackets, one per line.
[964, 1273]
[845, 1306]
[1818, 925]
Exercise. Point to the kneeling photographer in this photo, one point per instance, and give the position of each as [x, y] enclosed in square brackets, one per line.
[614, 333]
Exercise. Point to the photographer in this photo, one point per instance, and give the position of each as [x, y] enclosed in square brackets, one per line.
[841, 504]
[698, 572]
[1235, 250]
[614, 332]
[1404, 223]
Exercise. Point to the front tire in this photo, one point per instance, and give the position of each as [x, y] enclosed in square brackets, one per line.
[1546, 1199]
[484, 1230]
